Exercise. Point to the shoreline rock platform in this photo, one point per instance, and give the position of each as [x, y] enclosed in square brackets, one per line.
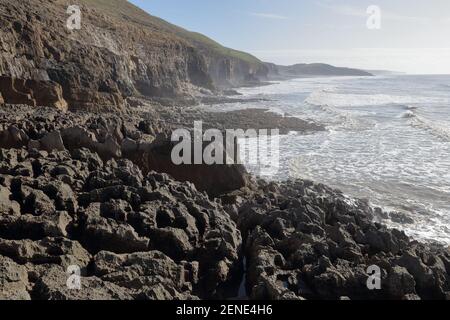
[80, 189]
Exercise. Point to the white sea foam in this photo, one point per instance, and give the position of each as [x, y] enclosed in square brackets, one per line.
[327, 97]
[387, 141]
[435, 128]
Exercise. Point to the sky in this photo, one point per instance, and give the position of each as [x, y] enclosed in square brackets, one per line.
[413, 35]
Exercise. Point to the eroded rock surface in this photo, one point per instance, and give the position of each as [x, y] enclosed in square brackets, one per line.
[304, 240]
[77, 190]
[132, 235]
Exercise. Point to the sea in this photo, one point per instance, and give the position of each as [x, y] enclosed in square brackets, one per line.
[387, 140]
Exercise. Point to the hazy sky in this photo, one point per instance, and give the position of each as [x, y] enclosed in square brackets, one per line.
[414, 35]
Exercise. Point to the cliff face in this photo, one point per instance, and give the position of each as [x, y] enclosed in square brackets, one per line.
[233, 72]
[227, 67]
[119, 51]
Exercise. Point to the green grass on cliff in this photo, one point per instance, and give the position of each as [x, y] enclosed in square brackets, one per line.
[128, 11]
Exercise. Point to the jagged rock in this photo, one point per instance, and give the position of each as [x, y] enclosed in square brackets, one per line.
[167, 240]
[13, 137]
[58, 251]
[34, 227]
[431, 282]
[61, 193]
[13, 280]
[47, 93]
[37, 203]
[174, 242]
[14, 91]
[52, 285]
[32, 92]
[149, 275]
[52, 141]
[77, 138]
[305, 241]
[400, 283]
[7, 206]
[99, 233]
[92, 160]
[109, 149]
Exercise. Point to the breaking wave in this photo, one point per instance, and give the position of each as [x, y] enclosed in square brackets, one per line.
[343, 119]
[330, 97]
[433, 127]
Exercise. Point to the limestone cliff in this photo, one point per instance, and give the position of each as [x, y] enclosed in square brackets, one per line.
[119, 51]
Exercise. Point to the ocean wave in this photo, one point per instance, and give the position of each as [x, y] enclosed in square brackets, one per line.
[409, 115]
[433, 127]
[407, 107]
[341, 118]
[330, 97]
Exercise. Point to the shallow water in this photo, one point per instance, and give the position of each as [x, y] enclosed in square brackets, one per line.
[387, 140]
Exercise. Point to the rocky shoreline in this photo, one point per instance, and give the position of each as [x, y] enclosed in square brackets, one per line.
[81, 189]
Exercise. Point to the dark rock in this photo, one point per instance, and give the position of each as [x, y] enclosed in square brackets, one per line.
[52, 285]
[400, 283]
[52, 141]
[99, 233]
[149, 275]
[58, 251]
[13, 280]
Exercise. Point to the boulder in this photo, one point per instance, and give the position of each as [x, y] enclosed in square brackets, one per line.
[214, 179]
[13, 137]
[400, 284]
[52, 141]
[47, 93]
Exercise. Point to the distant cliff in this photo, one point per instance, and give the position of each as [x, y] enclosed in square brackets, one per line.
[119, 51]
[278, 72]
